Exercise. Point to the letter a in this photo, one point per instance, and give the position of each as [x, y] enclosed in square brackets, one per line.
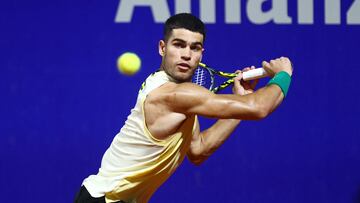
[159, 8]
[353, 14]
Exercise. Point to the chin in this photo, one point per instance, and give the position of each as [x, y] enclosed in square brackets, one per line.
[184, 76]
[180, 76]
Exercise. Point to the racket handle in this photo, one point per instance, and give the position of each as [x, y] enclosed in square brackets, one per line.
[255, 74]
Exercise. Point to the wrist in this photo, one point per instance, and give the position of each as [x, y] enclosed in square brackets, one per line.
[289, 72]
[282, 79]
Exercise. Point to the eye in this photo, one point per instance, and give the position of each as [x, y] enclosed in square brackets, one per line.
[196, 48]
[179, 45]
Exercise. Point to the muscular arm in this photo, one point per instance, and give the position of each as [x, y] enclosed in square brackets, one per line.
[191, 99]
[208, 141]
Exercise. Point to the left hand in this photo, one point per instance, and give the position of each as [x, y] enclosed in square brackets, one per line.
[242, 87]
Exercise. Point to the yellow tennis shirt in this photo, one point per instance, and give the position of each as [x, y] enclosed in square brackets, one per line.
[136, 163]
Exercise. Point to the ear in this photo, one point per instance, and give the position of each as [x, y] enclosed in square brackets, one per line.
[202, 52]
[161, 47]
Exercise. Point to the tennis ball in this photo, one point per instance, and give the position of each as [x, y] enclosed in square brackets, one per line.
[128, 63]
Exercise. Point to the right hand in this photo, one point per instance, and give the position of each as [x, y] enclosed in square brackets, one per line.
[242, 87]
[278, 65]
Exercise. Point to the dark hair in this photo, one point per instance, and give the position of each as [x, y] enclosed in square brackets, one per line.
[183, 20]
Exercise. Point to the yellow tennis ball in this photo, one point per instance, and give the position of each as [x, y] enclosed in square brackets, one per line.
[128, 63]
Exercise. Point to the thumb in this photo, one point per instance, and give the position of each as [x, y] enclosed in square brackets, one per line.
[239, 75]
[237, 80]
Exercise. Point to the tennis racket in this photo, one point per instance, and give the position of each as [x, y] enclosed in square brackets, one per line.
[205, 76]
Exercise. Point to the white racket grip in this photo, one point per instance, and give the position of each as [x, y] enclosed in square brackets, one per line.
[255, 74]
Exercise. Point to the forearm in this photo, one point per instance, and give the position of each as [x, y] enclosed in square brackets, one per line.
[267, 99]
[253, 106]
[205, 143]
[280, 82]
[213, 137]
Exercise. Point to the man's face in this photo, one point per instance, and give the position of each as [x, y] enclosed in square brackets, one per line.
[181, 54]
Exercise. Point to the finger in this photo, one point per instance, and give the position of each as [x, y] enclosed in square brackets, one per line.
[284, 58]
[273, 61]
[246, 69]
[252, 67]
[267, 67]
[238, 71]
[237, 84]
[265, 64]
[238, 75]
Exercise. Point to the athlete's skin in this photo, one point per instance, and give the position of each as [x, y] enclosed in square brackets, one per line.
[167, 107]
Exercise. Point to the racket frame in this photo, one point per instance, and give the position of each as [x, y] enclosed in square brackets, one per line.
[212, 72]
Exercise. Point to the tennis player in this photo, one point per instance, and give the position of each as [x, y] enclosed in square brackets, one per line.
[162, 129]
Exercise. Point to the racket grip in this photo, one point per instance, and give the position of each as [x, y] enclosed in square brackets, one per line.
[255, 74]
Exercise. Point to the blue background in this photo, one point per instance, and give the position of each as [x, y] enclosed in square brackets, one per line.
[63, 100]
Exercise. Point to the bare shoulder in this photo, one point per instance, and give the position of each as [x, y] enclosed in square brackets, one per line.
[181, 98]
[159, 109]
[172, 92]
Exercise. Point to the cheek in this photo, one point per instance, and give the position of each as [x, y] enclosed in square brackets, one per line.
[172, 54]
[197, 56]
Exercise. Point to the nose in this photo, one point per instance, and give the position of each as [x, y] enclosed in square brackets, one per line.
[186, 53]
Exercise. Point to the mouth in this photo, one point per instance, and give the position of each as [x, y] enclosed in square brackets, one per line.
[184, 66]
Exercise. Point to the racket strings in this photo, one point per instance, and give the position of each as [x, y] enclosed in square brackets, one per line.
[207, 78]
[200, 77]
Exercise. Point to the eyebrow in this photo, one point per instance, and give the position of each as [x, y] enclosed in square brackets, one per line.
[183, 41]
